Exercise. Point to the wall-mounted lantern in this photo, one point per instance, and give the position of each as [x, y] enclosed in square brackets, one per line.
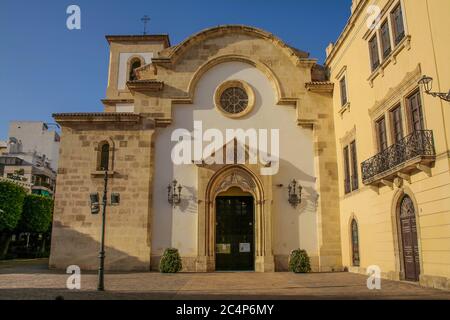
[95, 205]
[174, 193]
[115, 199]
[427, 83]
[295, 193]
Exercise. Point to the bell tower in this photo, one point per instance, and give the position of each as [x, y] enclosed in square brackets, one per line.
[127, 53]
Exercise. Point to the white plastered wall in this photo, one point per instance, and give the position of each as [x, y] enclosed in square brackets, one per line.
[293, 228]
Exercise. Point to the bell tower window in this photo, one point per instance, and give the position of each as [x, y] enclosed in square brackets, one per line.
[135, 64]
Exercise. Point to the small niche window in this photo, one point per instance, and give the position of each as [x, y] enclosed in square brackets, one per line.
[134, 64]
[355, 244]
[104, 157]
[343, 87]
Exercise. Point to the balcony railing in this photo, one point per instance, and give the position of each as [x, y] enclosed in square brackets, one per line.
[419, 146]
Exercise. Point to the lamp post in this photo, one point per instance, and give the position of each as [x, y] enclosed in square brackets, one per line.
[95, 209]
[427, 83]
[101, 256]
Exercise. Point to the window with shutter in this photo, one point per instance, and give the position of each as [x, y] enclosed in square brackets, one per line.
[415, 112]
[374, 56]
[397, 124]
[355, 181]
[381, 134]
[398, 25]
[385, 39]
[347, 186]
[343, 86]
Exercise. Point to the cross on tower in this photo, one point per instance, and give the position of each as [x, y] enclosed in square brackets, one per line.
[145, 19]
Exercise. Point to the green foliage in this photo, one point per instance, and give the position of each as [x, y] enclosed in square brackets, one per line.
[170, 261]
[37, 214]
[299, 261]
[11, 204]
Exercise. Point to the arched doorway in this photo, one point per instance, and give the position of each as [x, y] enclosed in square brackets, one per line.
[214, 183]
[235, 231]
[408, 239]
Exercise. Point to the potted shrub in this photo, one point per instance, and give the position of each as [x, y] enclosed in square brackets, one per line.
[299, 261]
[170, 261]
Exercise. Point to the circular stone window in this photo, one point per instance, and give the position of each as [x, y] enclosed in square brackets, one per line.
[234, 99]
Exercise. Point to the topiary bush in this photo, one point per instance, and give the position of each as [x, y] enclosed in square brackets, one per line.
[299, 261]
[170, 261]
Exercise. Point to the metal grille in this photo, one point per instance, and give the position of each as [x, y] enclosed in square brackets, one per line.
[234, 100]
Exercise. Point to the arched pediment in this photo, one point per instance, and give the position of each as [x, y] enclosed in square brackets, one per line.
[174, 53]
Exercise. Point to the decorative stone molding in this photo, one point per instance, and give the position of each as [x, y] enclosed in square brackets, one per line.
[405, 43]
[96, 117]
[140, 38]
[396, 93]
[348, 137]
[320, 86]
[236, 178]
[145, 85]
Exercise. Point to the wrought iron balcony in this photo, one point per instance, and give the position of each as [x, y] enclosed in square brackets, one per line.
[402, 157]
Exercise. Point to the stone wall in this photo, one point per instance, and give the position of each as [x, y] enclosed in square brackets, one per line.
[76, 232]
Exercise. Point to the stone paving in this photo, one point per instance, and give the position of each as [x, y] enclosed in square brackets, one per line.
[32, 280]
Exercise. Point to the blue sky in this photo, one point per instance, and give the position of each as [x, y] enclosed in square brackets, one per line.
[45, 68]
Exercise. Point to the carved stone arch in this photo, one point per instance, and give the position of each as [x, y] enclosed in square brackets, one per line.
[396, 232]
[273, 79]
[225, 178]
[294, 55]
[235, 176]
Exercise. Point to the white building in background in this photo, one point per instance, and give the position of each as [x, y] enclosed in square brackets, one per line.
[34, 137]
[30, 156]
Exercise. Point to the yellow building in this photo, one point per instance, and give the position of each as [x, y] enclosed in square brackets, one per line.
[395, 210]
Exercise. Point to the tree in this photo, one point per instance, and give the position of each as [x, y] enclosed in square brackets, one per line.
[11, 203]
[36, 214]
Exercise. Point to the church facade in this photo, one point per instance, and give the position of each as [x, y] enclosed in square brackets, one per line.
[236, 148]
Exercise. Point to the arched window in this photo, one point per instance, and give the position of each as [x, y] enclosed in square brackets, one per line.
[355, 244]
[104, 157]
[134, 64]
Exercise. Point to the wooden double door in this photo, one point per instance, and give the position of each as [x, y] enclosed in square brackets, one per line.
[235, 234]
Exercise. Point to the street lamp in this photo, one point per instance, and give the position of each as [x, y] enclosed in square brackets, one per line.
[427, 83]
[95, 209]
